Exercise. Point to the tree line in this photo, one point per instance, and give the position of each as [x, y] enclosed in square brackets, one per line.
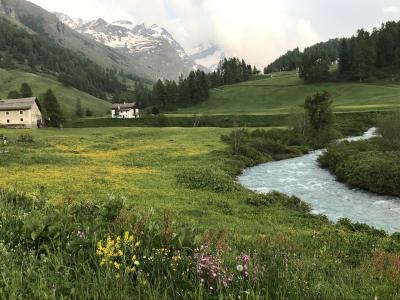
[41, 54]
[365, 56]
[168, 95]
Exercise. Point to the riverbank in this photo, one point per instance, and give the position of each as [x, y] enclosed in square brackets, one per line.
[369, 165]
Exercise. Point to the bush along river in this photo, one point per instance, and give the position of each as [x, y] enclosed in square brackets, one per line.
[302, 177]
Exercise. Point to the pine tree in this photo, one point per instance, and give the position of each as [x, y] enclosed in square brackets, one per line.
[171, 91]
[89, 113]
[14, 95]
[54, 116]
[159, 94]
[26, 90]
[78, 109]
[319, 112]
[183, 92]
[344, 57]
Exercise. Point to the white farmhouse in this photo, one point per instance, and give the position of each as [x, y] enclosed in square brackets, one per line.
[21, 113]
[125, 111]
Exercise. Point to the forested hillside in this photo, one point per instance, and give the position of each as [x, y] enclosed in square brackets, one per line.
[37, 53]
[365, 57]
[194, 89]
[11, 80]
[292, 60]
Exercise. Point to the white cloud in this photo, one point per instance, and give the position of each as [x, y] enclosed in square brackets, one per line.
[391, 10]
[257, 30]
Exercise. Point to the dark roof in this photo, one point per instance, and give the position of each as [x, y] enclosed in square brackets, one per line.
[18, 104]
[124, 105]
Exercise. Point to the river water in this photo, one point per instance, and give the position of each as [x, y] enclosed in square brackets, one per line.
[302, 177]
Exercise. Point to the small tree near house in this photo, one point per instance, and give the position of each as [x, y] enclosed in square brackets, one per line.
[53, 113]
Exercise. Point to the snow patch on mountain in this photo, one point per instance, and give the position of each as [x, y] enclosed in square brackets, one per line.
[207, 55]
[73, 23]
[152, 45]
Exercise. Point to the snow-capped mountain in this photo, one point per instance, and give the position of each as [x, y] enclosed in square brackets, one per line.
[206, 55]
[152, 45]
[70, 22]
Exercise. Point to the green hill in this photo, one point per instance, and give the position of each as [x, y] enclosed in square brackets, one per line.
[12, 80]
[284, 92]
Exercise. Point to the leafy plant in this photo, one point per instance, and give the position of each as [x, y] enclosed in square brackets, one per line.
[217, 181]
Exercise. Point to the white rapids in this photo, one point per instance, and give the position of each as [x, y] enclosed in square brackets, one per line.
[302, 177]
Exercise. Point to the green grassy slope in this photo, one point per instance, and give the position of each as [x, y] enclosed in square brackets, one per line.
[285, 92]
[12, 80]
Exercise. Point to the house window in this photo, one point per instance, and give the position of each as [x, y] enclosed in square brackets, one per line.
[7, 113]
[8, 121]
[22, 119]
[21, 112]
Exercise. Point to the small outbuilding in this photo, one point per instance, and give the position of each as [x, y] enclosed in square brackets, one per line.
[125, 111]
[21, 113]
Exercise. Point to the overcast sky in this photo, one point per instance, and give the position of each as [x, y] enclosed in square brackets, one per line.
[257, 30]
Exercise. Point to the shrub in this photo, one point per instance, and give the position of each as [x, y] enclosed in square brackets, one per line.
[360, 227]
[217, 181]
[292, 202]
[389, 128]
[110, 209]
[365, 164]
[261, 146]
[155, 111]
[25, 138]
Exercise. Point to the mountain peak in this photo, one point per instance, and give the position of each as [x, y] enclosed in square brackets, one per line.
[73, 23]
[151, 45]
[97, 23]
[207, 55]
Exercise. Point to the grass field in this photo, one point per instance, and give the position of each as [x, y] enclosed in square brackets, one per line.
[67, 97]
[80, 173]
[141, 164]
[285, 92]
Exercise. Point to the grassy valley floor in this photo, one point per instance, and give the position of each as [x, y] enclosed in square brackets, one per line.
[304, 256]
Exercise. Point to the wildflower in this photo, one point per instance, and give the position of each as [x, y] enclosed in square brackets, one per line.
[136, 263]
[239, 268]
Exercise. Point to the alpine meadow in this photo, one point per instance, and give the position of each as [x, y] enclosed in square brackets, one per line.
[176, 150]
